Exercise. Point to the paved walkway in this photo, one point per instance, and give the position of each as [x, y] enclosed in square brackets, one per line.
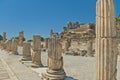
[13, 69]
[76, 67]
[3, 72]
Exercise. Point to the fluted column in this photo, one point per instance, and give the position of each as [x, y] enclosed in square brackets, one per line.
[106, 48]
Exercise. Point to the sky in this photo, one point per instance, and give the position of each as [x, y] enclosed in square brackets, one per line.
[38, 17]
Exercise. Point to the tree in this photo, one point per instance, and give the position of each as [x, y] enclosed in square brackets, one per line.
[42, 38]
[118, 19]
[29, 40]
[17, 38]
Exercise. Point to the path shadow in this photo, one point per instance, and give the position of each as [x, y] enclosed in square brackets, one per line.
[70, 78]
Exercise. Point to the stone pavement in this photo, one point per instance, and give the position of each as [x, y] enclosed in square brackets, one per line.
[3, 72]
[15, 70]
[76, 67]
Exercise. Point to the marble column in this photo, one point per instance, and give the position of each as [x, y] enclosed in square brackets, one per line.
[14, 47]
[67, 44]
[26, 52]
[4, 36]
[21, 37]
[36, 52]
[46, 43]
[89, 48]
[55, 69]
[106, 43]
[9, 45]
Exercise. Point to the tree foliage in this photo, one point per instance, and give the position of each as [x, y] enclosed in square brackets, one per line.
[118, 19]
[17, 38]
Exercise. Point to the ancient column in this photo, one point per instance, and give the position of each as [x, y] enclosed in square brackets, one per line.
[6, 44]
[55, 69]
[51, 33]
[89, 48]
[67, 44]
[26, 52]
[46, 43]
[36, 52]
[4, 36]
[106, 49]
[3, 41]
[21, 37]
[9, 45]
[14, 47]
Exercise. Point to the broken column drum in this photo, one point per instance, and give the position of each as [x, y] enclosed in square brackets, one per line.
[26, 52]
[36, 51]
[55, 69]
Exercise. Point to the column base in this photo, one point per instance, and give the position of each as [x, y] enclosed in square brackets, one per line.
[16, 53]
[54, 75]
[26, 59]
[36, 65]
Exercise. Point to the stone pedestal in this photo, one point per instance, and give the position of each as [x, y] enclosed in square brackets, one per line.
[106, 43]
[55, 69]
[26, 52]
[36, 52]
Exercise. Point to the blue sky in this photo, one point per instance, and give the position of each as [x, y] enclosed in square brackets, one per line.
[39, 16]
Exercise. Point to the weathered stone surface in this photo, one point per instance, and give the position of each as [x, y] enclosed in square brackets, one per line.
[26, 52]
[36, 51]
[106, 44]
[55, 61]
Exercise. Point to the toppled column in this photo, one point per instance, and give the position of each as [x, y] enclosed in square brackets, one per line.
[26, 52]
[55, 69]
[21, 38]
[36, 52]
[106, 43]
[14, 47]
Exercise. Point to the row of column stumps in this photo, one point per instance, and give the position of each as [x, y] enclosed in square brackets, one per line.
[106, 51]
[11, 45]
